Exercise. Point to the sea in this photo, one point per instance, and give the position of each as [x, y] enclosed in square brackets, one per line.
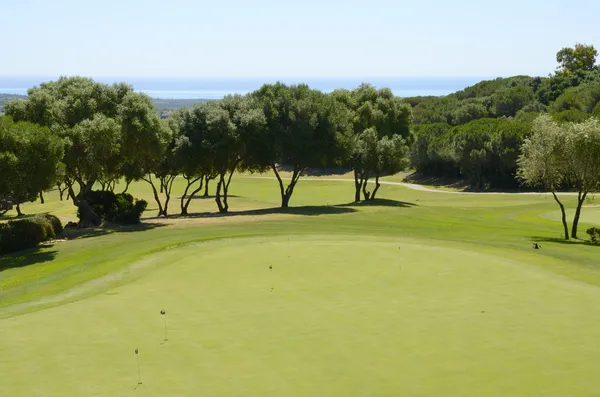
[216, 88]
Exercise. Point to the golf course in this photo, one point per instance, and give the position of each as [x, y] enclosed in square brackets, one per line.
[415, 293]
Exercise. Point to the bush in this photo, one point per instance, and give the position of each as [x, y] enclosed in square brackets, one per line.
[56, 223]
[594, 233]
[28, 233]
[57, 227]
[119, 208]
[21, 234]
[133, 215]
[47, 226]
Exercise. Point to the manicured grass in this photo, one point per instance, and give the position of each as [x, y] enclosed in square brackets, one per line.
[416, 294]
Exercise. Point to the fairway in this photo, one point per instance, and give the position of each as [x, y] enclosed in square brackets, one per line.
[420, 294]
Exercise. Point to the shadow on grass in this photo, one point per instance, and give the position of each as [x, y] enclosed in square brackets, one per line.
[26, 258]
[318, 171]
[311, 210]
[73, 233]
[380, 203]
[559, 240]
[449, 182]
[210, 196]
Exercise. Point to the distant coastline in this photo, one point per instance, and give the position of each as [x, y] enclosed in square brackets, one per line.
[198, 88]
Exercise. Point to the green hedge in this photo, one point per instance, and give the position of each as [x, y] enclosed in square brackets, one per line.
[28, 233]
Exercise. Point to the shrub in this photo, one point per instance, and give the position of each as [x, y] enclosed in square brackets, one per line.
[28, 233]
[133, 215]
[119, 208]
[21, 234]
[594, 233]
[47, 226]
[56, 223]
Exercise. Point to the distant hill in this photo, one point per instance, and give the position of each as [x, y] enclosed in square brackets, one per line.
[8, 97]
[163, 106]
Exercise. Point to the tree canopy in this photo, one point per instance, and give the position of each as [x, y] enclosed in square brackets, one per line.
[30, 158]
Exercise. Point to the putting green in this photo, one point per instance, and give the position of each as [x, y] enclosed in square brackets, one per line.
[348, 316]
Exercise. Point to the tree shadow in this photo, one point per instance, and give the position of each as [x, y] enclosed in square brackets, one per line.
[560, 240]
[310, 210]
[210, 196]
[450, 182]
[74, 233]
[381, 203]
[26, 258]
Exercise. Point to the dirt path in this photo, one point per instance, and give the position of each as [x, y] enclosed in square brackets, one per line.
[412, 186]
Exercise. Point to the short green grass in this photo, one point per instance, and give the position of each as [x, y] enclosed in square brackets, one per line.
[419, 294]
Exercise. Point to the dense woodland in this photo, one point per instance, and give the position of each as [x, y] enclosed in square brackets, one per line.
[79, 135]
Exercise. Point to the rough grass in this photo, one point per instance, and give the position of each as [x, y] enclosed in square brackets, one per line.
[418, 293]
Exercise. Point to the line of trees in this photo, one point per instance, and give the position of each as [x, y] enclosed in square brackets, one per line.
[500, 112]
[106, 133]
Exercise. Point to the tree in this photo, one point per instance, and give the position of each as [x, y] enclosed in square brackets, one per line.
[380, 111]
[29, 160]
[161, 167]
[486, 151]
[509, 101]
[301, 131]
[76, 108]
[92, 152]
[579, 58]
[225, 148]
[583, 162]
[194, 161]
[469, 112]
[562, 155]
[385, 156]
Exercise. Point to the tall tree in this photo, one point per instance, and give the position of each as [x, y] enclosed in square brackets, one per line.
[583, 161]
[563, 155]
[577, 59]
[225, 147]
[195, 163]
[542, 161]
[302, 126]
[380, 111]
[29, 160]
[77, 108]
[160, 169]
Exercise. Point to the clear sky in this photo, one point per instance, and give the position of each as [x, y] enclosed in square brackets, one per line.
[307, 38]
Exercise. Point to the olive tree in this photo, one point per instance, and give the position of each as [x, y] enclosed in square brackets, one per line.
[566, 155]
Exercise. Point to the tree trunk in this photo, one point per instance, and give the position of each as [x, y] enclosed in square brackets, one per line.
[224, 186]
[112, 185]
[580, 200]
[286, 193]
[377, 184]
[19, 213]
[127, 183]
[366, 194]
[166, 184]
[61, 191]
[222, 209]
[185, 203]
[156, 197]
[207, 179]
[42, 197]
[564, 215]
[357, 186]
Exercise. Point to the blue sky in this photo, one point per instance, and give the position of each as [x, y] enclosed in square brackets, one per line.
[343, 38]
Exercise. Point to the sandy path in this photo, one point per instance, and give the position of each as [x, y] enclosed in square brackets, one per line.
[410, 186]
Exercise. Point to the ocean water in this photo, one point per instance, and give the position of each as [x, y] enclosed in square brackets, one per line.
[192, 88]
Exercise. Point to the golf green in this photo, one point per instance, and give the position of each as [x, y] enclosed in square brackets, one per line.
[338, 315]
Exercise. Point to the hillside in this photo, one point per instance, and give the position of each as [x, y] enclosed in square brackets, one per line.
[163, 106]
